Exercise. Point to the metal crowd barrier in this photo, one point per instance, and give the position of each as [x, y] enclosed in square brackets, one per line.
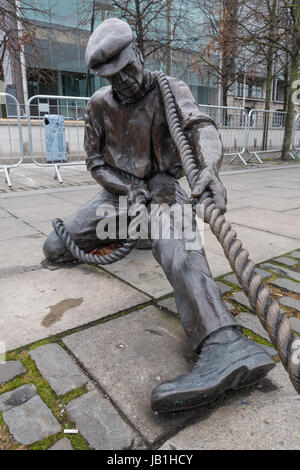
[252, 134]
[296, 136]
[11, 141]
[71, 152]
[265, 132]
[232, 125]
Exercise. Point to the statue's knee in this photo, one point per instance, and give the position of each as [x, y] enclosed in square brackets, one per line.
[54, 250]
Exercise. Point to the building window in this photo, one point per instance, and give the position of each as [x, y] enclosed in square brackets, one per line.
[278, 90]
[253, 89]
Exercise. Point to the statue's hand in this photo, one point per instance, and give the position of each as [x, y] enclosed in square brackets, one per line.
[208, 184]
[138, 194]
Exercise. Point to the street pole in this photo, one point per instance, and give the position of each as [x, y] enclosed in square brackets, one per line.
[88, 75]
[244, 89]
[170, 38]
[22, 54]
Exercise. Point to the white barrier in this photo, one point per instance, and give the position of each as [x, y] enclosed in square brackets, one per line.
[232, 125]
[256, 133]
[73, 110]
[296, 136]
[11, 145]
[265, 132]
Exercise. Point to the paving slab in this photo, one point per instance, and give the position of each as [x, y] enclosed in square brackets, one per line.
[264, 274]
[38, 304]
[45, 227]
[275, 268]
[295, 254]
[21, 253]
[251, 322]
[78, 197]
[10, 370]
[169, 304]
[287, 284]
[44, 212]
[271, 202]
[62, 444]
[232, 279]
[129, 356]
[99, 422]
[295, 324]
[269, 350]
[292, 274]
[26, 201]
[13, 228]
[267, 220]
[31, 422]
[286, 260]
[141, 270]
[290, 302]
[4, 214]
[224, 288]
[218, 263]
[241, 298]
[17, 397]
[230, 307]
[58, 368]
[258, 418]
[261, 245]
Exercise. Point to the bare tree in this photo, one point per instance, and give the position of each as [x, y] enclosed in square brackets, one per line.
[277, 35]
[155, 23]
[17, 44]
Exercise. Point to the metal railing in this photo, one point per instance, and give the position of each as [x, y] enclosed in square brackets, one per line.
[244, 136]
[296, 136]
[232, 126]
[11, 142]
[265, 133]
[73, 110]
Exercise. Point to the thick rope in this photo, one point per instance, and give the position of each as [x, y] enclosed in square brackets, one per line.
[116, 255]
[267, 309]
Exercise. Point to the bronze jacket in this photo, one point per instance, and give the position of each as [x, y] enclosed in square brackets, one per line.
[134, 136]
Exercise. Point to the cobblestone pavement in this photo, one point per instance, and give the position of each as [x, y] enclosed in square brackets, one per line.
[80, 367]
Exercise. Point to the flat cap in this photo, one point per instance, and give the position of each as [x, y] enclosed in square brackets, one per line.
[109, 48]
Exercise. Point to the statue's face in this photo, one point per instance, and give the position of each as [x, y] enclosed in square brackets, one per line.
[129, 80]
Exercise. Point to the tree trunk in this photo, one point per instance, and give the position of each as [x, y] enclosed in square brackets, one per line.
[269, 79]
[289, 118]
[294, 67]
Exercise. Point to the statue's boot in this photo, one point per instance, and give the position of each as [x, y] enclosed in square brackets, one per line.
[220, 367]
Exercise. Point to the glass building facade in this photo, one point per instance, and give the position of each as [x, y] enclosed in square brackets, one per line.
[55, 60]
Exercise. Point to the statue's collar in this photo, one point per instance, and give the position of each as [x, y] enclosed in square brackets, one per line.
[148, 82]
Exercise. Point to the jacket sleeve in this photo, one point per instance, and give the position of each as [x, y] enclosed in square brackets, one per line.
[200, 128]
[93, 138]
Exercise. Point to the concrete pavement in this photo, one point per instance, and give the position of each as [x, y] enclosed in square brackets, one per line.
[120, 321]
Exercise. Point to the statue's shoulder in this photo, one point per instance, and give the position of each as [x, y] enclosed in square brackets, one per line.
[178, 85]
[100, 96]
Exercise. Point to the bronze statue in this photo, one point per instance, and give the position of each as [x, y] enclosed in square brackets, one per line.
[130, 152]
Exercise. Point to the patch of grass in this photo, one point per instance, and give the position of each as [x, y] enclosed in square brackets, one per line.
[254, 337]
[7, 442]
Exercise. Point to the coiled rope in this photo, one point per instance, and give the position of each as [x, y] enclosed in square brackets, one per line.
[267, 309]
